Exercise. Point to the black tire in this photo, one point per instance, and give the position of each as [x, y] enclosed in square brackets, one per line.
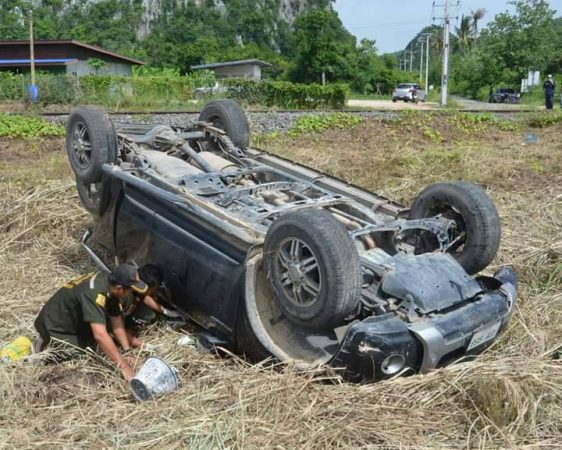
[90, 143]
[475, 215]
[230, 117]
[95, 197]
[329, 290]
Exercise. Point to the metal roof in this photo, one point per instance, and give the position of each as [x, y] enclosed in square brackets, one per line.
[242, 62]
[53, 61]
[72, 42]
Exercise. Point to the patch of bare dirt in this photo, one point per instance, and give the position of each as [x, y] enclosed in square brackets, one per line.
[23, 150]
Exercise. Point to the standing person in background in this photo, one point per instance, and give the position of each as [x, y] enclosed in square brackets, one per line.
[414, 95]
[549, 87]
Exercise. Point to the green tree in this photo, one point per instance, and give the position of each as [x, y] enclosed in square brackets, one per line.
[322, 44]
[508, 47]
[523, 40]
[12, 22]
[464, 34]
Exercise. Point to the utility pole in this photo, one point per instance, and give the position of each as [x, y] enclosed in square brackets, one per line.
[32, 88]
[421, 41]
[427, 63]
[411, 60]
[31, 49]
[447, 7]
[445, 70]
[424, 40]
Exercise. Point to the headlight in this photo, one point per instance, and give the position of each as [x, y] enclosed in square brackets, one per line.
[393, 364]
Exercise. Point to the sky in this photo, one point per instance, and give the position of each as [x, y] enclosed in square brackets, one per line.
[394, 23]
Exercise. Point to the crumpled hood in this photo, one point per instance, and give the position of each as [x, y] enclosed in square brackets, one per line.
[433, 282]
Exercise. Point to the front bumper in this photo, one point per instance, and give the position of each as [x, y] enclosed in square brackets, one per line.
[382, 346]
[407, 97]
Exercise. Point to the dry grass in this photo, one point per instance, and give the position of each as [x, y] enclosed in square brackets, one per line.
[511, 397]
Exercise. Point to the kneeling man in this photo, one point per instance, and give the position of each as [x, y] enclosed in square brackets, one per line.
[81, 312]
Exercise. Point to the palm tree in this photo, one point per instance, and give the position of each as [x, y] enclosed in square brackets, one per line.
[476, 17]
[464, 33]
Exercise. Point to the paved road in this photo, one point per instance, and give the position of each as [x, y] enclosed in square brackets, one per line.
[463, 103]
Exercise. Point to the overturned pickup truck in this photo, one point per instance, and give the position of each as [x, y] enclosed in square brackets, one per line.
[277, 260]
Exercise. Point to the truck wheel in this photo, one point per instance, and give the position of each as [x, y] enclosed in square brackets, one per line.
[95, 197]
[313, 268]
[90, 143]
[478, 229]
[230, 117]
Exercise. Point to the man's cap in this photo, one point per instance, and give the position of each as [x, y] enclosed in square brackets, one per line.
[127, 275]
[550, 76]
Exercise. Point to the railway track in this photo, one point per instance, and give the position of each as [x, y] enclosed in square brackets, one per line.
[302, 111]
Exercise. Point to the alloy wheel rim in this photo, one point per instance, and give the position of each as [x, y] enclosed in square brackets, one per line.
[82, 145]
[300, 272]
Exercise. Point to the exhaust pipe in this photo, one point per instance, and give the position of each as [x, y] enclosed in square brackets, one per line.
[97, 260]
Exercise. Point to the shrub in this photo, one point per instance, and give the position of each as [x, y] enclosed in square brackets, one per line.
[320, 123]
[27, 127]
[158, 88]
[284, 94]
[544, 119]
[150, 90]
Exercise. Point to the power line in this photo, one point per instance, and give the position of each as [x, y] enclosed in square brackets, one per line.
[447, 8]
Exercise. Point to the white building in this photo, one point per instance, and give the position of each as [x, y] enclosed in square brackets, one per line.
[248, 68]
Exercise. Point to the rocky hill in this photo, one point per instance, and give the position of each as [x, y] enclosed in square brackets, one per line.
[164, 32]
[277, 10]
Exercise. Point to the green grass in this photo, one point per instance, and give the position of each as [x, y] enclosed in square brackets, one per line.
[536, 97]
[533, 98]
[357, 96]
[544, 119]
[322, 122]
[27, 127]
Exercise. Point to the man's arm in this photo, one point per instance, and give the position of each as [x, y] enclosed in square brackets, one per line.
[133, 340]
[155, 306]
[118, 329]
[105, 341]
[124, 337]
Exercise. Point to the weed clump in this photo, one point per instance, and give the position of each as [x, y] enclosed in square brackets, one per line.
[544, 119]
[323, 122]
[27, 127]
